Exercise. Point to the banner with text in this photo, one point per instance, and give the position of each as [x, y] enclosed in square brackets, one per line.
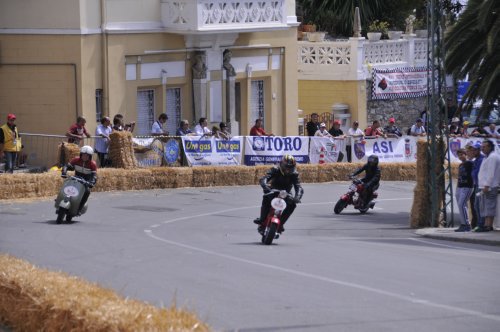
[393, 150]
[324, 150]
[396, 83]
[209, 151]
[265, 150]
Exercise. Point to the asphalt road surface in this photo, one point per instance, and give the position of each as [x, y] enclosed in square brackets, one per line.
[198, 247]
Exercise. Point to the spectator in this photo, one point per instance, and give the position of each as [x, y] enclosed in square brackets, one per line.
[76, 131]
[391, 130]
[375, 130]
[10, 143]
[465, 189]
[354, 131]
[224, 130]
[118, 124]
[474, 152]
[455, 127]
[217, 133]
[201, 128]
[491, 130]
[488, 182]
[257, 129]
[183, 129]
[322, 132]
[479, 132]
[418, 128]
[157, 127]
[313, 126]
[424, 117]
[335, 130]
[464, 131]
[102, 141]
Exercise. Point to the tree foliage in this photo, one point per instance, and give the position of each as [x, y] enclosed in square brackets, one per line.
[473, 48]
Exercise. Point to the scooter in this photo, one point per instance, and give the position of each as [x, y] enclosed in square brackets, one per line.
[270, 227]
[69, 198]
[354, 197]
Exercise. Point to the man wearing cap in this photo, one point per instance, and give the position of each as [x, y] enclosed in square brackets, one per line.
[10, 143]
[474, 152]
[418, 128]
[322, 132]
[391, 130]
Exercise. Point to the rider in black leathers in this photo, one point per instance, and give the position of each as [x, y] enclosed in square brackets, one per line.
[282, 177]
[371, 179]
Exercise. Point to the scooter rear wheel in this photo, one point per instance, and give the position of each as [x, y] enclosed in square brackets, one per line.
[268, 236]
[60, 215]
[341, 205]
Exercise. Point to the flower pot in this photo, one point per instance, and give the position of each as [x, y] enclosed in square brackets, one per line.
[421, 33]
[308, 27]
[374, 36]
[316, 36]
[394, 35]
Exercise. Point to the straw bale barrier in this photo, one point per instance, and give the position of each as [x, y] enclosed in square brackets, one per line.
[34, 299]
[121, 151]
[26, 185]
[66, 152]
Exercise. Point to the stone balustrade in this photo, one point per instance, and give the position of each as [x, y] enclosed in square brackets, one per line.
[354, 58]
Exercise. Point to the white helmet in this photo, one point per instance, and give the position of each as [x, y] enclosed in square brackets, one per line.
[87, 150]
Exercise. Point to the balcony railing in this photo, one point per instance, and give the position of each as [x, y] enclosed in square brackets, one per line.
[351, 59]
[223, 15]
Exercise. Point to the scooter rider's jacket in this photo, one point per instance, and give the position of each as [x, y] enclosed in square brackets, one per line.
[86, 170]
[372, 175]
[275, 179]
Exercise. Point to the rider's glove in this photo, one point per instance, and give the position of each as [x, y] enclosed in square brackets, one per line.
[296, 200]
[267, 190]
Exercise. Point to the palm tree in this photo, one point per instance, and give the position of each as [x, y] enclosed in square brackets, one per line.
[473, 48]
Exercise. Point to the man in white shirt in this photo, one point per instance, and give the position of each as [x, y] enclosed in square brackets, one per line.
[157, 128]
[201, 128]
[488, 183]
[102, 132]
[354, 131]
[322, 132]
[418, 128]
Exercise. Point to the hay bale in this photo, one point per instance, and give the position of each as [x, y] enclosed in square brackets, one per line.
[203, 176]
[419, 216]
[66, 152]
[33, 299]
[109, 179]
[121, 151]
[183, 177]
[260, 171]
[234, 176]
[164, 177]
[308, 173]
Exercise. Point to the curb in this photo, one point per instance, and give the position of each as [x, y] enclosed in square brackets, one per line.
[449, 234]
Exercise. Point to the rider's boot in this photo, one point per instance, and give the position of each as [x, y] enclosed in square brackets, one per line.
[257, 221]
[371, 205]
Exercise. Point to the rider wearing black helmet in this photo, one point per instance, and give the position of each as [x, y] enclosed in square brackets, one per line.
[371, 179]
[282, 177]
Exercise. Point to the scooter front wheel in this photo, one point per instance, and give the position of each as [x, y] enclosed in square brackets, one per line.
[60, 215]
[341, 205]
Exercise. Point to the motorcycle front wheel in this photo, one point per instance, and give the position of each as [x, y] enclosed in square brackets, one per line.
[69, 218]
[60, 215]
[363, 210]
[268, 236]
[341, 205]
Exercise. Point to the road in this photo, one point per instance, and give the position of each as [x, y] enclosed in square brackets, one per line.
[198, 247]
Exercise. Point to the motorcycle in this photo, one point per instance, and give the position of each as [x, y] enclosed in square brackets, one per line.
[354, 197]
[69, 198]
[270, 227]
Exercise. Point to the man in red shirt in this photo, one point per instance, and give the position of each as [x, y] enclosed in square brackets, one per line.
[76, 131]
[257, 130]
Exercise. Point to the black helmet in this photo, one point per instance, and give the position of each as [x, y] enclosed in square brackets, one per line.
[373, 160]
[287, 164]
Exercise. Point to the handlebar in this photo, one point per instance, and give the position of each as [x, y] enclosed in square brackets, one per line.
[80, 180]
[277, 191]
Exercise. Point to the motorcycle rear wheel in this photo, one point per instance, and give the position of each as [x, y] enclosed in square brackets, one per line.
[60, 215]
[341, 205]
[268, 236]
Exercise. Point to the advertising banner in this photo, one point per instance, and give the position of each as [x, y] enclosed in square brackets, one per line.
[209, 151]
[155, 152]
[265, 150]
[324, 150]
[399, 83]
[388, 150]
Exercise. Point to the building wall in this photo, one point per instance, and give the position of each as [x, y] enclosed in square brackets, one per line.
[319, 96]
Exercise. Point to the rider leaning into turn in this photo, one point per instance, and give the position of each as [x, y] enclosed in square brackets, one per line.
[282, 177]
[84, 168]
[371, 179]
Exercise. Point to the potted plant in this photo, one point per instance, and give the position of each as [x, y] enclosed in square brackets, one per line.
[394, 33]
[376, 29]
[420, 27]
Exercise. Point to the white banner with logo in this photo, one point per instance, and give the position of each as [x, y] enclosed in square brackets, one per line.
[209, 151]
[324, 150]
[396, 83]
[393, 150]
[264, 150]
[456, 143]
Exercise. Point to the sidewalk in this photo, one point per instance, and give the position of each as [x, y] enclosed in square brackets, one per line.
[449, 234]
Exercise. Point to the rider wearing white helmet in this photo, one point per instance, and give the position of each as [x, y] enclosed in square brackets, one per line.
[84, 168]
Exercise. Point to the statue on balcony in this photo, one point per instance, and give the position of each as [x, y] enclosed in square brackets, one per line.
[409, 24]
[199, 67]
[226, 63]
